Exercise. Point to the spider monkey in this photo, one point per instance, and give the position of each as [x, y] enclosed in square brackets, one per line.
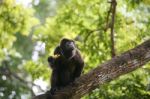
[66, 64]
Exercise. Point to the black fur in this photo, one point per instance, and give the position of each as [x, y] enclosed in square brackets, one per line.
[66, 67]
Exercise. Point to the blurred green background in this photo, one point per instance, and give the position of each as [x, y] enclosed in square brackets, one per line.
[31, 29]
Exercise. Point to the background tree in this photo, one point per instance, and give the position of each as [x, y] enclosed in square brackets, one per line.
[28, 36]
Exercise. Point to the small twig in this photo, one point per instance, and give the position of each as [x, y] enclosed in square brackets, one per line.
[6, 71]
[107, 18]
[9, 73]
[109, 24]
[89, 33]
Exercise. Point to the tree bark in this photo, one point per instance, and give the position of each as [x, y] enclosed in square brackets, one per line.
[111, 69]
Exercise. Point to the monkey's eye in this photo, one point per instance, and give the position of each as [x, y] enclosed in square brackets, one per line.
[70, 45]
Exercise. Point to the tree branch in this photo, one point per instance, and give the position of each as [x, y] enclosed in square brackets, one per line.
[113, 5]
[7, 71]
[111, 69]
[112, 13]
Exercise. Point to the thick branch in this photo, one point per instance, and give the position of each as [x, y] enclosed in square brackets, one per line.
[106, 72]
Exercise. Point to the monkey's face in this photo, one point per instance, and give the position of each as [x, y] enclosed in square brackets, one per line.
[67, 45]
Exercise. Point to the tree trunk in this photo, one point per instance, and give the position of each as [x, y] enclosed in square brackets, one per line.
[105, 72]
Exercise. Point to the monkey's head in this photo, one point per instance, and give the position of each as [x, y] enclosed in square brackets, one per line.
[67, 45]
[68, 48]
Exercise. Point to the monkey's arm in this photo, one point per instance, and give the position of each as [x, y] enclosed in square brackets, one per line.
[78, 69]
[79, 65]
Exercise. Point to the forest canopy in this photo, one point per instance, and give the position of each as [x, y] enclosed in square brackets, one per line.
[31, 29]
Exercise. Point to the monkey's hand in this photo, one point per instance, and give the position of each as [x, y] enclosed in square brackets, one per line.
[52, 59]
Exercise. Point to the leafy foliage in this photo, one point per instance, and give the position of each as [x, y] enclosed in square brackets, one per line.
[25, 31]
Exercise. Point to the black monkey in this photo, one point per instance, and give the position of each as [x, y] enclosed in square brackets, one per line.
[66, 65]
